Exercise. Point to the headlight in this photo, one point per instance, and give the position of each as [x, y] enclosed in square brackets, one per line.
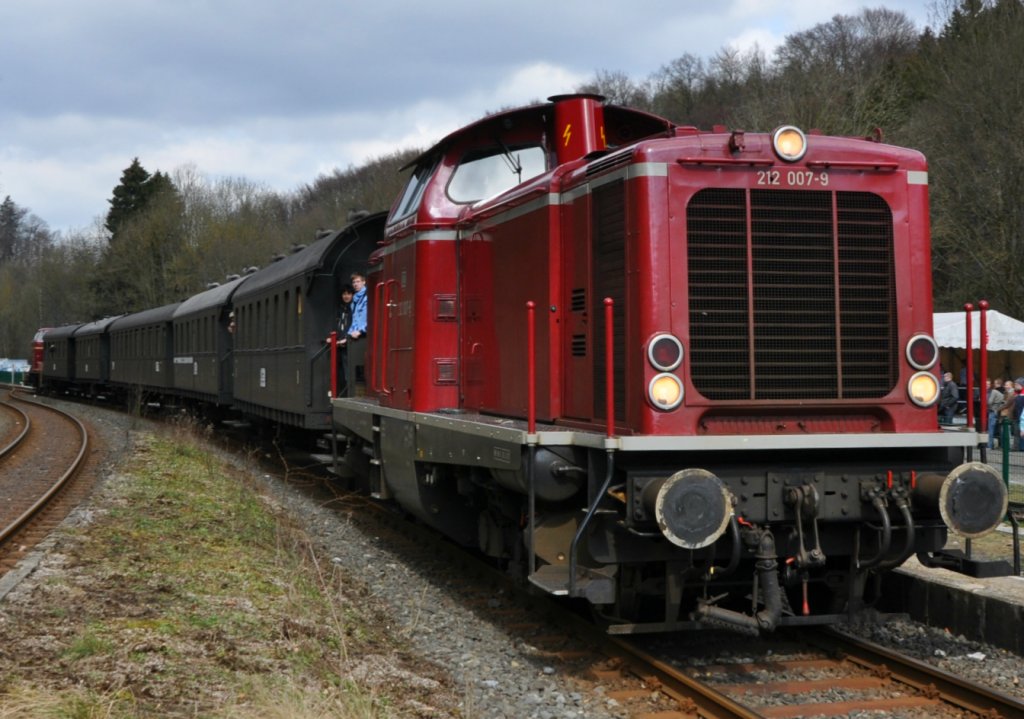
[922, 352]
[665, 352]
[665, 391]
[923, 389]
[789, 142]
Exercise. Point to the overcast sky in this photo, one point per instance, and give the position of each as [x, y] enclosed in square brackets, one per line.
[280, 91]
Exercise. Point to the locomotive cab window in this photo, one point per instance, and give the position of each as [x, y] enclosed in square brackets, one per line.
[413, 193]
[489, 171]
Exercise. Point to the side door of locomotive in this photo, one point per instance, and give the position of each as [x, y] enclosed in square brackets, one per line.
[393, 329]
[578, 335]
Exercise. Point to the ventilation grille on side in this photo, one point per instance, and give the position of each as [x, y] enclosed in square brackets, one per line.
[608, 219]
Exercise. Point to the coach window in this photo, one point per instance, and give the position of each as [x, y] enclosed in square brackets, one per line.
[241, 338]
[240, 334]
[248, 326]
[286, 328]
[268, 320]
[278, 325]
[490, 171]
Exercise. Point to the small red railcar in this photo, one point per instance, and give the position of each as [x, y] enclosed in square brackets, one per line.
[38, 351]
[752, 309]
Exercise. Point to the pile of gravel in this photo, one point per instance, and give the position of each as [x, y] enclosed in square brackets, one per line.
[500, 675]
[956, 654]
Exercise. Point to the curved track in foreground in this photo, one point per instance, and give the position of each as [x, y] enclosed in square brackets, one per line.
[14, 427]
[34, 469]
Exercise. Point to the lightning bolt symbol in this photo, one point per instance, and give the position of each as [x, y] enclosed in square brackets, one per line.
[567, 134]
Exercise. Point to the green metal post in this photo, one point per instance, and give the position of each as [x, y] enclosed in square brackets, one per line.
[1004, 444]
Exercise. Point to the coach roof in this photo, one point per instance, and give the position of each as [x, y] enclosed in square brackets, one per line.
[211, 298]
[312, 258]
[60, 333]
[146, 317]
[96, 328]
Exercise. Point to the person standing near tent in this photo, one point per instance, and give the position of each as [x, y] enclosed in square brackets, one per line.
[1006, 411]
[995, 403]
[948, 399]
[1018, 410]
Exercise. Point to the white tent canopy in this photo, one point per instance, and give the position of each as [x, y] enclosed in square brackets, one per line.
[1004, 332]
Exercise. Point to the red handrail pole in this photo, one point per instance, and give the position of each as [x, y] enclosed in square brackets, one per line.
[531, 368]
[609, 365]
[968, 309]
[375, 338]
[385, 320]
[333, 339]
[983, 359]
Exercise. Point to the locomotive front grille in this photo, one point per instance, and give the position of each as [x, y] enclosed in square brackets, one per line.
[792, 295]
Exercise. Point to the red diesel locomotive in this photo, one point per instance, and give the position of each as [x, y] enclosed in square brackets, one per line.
[36, 366]
[685, 375]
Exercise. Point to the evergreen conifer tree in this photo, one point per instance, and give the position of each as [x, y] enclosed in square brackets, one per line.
[130, 197]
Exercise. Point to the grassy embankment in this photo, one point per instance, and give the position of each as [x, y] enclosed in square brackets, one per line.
[188, 596]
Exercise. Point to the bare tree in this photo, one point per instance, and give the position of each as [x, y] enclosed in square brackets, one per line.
[618, 88]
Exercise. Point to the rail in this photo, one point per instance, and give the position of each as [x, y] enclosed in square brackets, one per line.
[26, 427]
[8, 531]
[927, 679]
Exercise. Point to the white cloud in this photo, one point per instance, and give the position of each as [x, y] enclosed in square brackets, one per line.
[759, 38]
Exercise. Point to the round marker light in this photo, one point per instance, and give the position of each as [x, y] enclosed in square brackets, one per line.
[922, 352]
[790, 143]
[665, 391]
[923, 389]
[665, 352]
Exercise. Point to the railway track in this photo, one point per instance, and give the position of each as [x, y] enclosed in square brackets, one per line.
[37, 465]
